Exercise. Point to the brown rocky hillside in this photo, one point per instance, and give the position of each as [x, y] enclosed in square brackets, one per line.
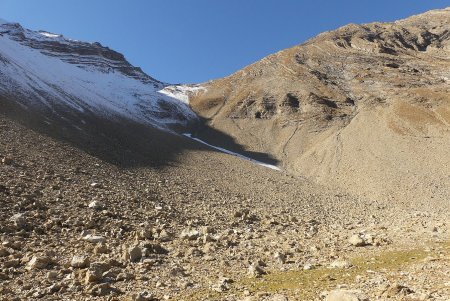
[365, 107]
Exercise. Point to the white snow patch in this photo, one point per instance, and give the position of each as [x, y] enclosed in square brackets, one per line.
[233, 153]
[181, 92]
[49, 34]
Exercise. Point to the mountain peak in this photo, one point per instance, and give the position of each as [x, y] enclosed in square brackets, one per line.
[49, 71]
[82, 54]
[2, 21]
[319, 105]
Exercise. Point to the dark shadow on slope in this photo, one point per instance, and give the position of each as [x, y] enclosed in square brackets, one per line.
[116, 140]
[220, 139]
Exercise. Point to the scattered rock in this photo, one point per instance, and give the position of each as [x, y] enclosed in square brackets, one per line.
[278, 297]
[255, 270]
[7, 160]
[145, 234]
[208, 230]
[341, 295]
[94, 238]
[52, 275]
[143, 296]
[93, 274]
[189, 234]
[368, 239]
[96, 185]
[280, 257]
[54, 288]
[249, 298]
[19, 220]
[397, 289]
[11, 263]
[38, 262]
[103, 289]
[3, 277]
[96, 205]
[341, 264]
[4, 252]
[165, 235]
[208, 238]
[133, 254]
[241, 213]
[222, 285]
[79, 261]
[155, 248]
[356, 240]
[100, 249]
[308, 266]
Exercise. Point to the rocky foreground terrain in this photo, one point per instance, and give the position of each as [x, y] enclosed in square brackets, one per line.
[111, 209]
[208, 226]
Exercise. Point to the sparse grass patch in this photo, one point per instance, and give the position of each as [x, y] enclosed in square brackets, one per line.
[309, 283]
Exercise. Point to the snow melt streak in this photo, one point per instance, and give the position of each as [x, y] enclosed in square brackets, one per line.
[233, 153]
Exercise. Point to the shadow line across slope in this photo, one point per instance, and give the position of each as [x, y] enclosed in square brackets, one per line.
[119, 141]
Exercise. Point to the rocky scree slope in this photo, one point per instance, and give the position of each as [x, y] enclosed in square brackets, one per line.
[364, 107]
[213, 227]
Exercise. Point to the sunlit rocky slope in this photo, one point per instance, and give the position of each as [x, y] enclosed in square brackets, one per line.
[365, 107]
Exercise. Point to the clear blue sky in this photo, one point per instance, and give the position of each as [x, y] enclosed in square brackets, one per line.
[186, 41]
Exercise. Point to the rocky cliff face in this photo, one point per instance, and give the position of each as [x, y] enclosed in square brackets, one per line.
[82, 54]
[73, 79]
[366, 107]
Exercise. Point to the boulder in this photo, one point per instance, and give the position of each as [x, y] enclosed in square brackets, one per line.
[341, 295]
[356, 240]
[256, 270]
[79, 261]
[38, 262]
[94, 238]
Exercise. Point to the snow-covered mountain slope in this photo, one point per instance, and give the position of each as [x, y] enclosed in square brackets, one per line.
[41, 70]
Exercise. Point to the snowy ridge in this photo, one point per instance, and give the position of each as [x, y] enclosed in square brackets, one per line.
[41, 69]
[182, 92]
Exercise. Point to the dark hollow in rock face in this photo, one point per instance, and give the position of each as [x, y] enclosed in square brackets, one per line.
[328, 102]
[292, 101]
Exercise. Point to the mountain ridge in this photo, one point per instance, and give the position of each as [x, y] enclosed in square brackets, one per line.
[388, 80]
[49, 71]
